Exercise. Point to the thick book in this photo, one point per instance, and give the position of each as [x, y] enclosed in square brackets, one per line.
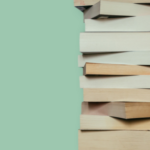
[140, 81]
[95, 122]
[124, 110]
[114, 42]
[127, 24]
[115, 69]
[130, 58]
[113, 9]
[116, 95]
[114, 140]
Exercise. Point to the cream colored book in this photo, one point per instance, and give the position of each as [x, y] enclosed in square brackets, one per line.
[124, 110]
[116, 95]
[115, 69]
[85, 4]
[130, 58]
[113, 9]
[93, 122]
[127, 24]
[114, 140]
[114, 42]
[141, 81]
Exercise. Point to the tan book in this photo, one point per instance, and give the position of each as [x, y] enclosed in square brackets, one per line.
[113, 8]
[114, 140]
[115, 69]
[141, 81]
[114, 42]
[116, 95]
[124, 110]
[129, 58]
[128, 24]
[93, 122]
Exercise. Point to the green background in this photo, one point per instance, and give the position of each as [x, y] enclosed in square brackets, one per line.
[40, 98]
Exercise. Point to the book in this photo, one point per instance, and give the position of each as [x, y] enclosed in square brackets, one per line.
[127, 24]
[140, 81]
[130, 58]
[124, 110]
[85, 4]
[115, 69]
[116, 95]
[113, 9]
[114, 42]
[114, 140]
[95, 122]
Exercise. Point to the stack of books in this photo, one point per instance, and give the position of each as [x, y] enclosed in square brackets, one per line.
[116, 76]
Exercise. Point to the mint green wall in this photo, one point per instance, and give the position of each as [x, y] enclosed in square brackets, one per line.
[40, 98]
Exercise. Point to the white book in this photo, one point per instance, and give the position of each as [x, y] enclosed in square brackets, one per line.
[131, 58]
[127, 24]
[112, 8]
[141, 81]
[85, 4]
[114, 42]
[93, 122]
